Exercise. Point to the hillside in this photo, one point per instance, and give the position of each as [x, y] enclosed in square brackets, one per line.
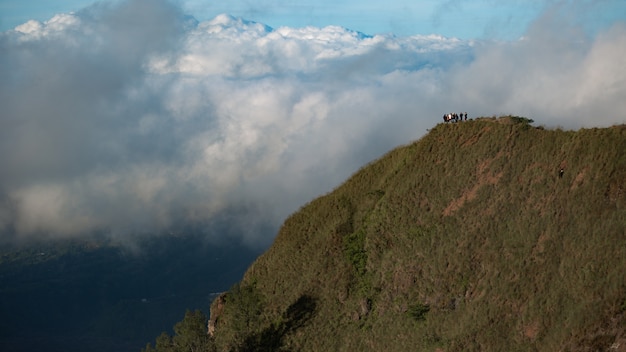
[469, 239]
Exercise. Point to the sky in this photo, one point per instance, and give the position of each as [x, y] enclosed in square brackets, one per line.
[463, 19]
[142, 117]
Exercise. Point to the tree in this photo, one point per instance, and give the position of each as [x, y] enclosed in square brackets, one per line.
[241, 318]
[190, 335]
[247, 307]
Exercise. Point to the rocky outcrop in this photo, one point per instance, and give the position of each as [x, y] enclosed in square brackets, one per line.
[217, 308]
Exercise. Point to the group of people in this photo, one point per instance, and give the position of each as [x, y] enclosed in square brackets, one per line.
[453, 116]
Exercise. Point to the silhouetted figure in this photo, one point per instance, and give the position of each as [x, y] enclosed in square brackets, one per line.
[465, 116]
[561, 172]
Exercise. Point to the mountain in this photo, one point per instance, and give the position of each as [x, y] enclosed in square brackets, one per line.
[485, 235]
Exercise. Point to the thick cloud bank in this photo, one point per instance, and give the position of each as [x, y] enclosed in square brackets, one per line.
[133, 118]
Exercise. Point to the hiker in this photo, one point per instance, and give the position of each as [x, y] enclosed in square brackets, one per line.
[561, 172]
[454, 117]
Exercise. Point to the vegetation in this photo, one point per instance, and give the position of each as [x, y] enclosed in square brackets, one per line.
[418, 311]
[190, 336]
[469, 239]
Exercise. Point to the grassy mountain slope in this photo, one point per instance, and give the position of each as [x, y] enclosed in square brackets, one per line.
[465, 240]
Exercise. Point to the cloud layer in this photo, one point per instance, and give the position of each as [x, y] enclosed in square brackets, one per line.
[133, 118]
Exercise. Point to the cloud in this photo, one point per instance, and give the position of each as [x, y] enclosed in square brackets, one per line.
[555, 73]
[131, 118]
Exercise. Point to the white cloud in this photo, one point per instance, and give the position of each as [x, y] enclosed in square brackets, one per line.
[149, 122]
[33, 30]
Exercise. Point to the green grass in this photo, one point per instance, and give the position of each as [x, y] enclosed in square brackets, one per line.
[466, 240]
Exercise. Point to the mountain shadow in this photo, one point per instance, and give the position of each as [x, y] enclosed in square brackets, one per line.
[270, 339]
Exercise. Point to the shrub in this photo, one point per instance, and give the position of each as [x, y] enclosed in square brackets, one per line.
[354, 246]
[418, 311]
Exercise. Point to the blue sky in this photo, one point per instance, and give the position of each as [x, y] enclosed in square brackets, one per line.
[131, 119]
[466, 19]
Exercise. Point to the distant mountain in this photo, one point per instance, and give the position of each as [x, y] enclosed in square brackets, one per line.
[93, 295]
[485, 235]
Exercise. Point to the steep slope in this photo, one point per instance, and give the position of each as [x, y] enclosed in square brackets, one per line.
[468, 239]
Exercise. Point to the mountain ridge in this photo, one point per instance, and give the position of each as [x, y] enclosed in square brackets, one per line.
[485, 235]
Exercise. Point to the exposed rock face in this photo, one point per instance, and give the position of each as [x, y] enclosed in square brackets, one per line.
[217, 308]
